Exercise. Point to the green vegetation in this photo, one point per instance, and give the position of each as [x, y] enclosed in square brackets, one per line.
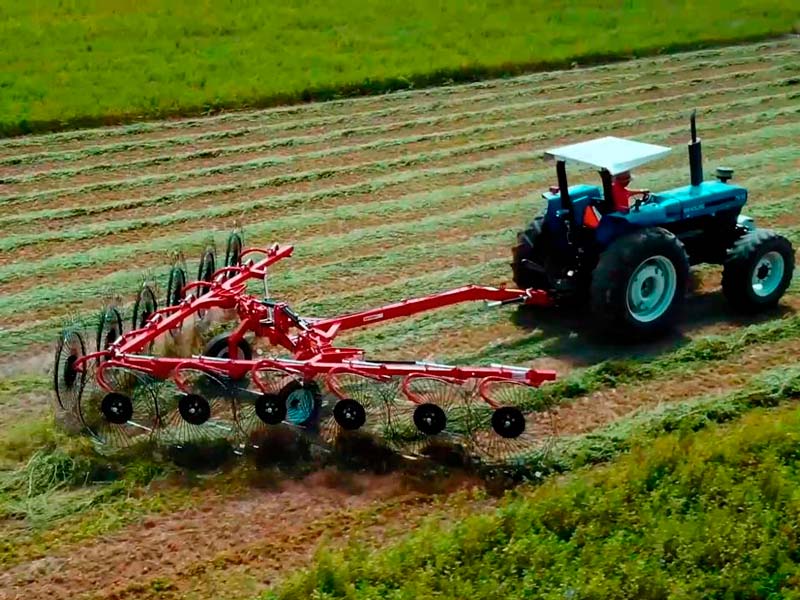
[70, 63]
[709, 514]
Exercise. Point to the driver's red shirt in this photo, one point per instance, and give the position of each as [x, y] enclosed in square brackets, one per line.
[621, 196]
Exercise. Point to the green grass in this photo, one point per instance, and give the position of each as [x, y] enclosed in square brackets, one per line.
[687, 515]
[68, 63]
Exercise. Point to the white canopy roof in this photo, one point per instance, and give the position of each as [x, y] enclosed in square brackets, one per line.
[612, 153]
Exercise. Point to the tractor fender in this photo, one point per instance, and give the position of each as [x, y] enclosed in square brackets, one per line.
[616, 224]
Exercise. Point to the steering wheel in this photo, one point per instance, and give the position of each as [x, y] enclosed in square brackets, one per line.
[646, 197]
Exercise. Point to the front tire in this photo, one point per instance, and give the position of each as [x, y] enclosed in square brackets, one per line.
[639, 285]
[758, 270]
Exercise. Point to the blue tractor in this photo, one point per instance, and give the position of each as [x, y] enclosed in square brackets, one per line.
[631, 261]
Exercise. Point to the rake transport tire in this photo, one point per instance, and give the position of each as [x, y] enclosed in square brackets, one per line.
[218, 348]
[639, 285]
[529, 249]
[757, 271]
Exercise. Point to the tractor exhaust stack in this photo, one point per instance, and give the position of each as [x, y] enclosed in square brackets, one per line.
[695, 155]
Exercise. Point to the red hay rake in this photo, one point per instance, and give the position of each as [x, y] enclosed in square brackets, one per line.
[124, 394]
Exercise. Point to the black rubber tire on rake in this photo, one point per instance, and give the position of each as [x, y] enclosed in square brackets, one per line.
[356, 428]
[435, 425]
[68, 383]
[217, 347]
[144, 307]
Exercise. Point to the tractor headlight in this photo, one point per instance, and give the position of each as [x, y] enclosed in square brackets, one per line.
[746, 222]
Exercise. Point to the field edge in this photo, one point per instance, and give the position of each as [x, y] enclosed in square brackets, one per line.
[373, 87]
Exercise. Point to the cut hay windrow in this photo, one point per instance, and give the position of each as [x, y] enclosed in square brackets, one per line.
[503, 109]
[663, 66]
[286, 159]
[170, 159]
[465, 218]
[183, 195]
[14, 242]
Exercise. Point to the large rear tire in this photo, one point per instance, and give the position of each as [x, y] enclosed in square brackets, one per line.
[639, 285]
[529, 247]
[758, 270]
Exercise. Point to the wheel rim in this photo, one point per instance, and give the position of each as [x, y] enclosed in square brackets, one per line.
[508, 422]
[194, 409]
[349, 414]
[430, 419]
[299, 406]
[767, 274]
[651, 289]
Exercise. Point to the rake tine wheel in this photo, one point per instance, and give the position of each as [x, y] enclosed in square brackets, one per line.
[205, 272]
[144, 306]
[260, 414]
[175, 293]
[125, 417]
[199, 412]
[513, 424]
[68, 381]
[233, 251]
[361, 409]
[434, 422]
[109, 328]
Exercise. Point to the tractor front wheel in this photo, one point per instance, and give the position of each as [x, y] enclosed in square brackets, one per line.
[757, 271]
[639, 285]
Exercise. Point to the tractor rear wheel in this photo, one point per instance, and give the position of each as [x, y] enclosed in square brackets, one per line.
[757, 271]
[529, 247]
[639, 285]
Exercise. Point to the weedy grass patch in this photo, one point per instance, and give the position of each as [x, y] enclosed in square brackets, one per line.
[690, 513]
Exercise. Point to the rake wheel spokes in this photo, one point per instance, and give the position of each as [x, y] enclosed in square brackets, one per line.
[361, 409]
[513, 425]
[68, 381]
[175, 292]
[258, 412]
[205, 272]
[109, 328]
[434, 423]
[126, 416]
[144, 307]
[233, 251]
[198, 411]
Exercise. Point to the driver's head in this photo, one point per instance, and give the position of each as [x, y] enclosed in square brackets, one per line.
[624, 178]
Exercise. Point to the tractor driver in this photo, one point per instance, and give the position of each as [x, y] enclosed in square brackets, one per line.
[620, 192]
